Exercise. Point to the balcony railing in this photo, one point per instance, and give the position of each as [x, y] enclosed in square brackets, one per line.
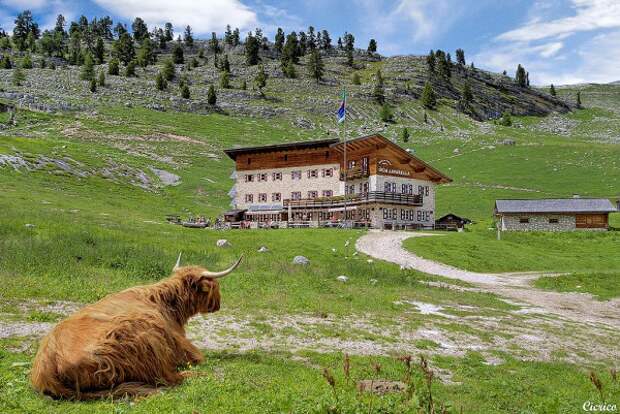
[355, 199]
[355, 172]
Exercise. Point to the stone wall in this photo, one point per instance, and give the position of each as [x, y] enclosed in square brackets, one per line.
[538, 222]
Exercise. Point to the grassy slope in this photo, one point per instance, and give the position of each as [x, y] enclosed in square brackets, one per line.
[93, 236]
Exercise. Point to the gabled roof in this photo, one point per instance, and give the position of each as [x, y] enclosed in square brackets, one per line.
[378, 139]
[555, 205]
[453, 217]
[233, 152]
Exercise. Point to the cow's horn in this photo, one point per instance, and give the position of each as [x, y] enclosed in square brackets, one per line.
[217, 275]
[178, 264]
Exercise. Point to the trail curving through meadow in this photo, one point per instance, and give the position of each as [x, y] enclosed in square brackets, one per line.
[516, 287]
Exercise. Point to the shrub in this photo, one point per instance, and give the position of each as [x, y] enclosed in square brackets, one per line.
[130, 70]
[211, 96]
[386, 114]
[225, 80]
[169, 71]
[185, 94]
[506, 119]
[114, 67]
[160, 82]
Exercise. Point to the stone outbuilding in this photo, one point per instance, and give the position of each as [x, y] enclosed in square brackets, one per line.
[563, 214]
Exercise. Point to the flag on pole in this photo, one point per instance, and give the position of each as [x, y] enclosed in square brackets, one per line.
[342, 111]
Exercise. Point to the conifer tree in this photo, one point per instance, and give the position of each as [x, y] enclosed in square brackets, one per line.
[169, 70]
[178, 57]
[289, 70]
[404, 135]
[372, 47]
[130, 69]
[140, 30]
[279, 40]
[160, 82]
[99, 51]
[228, 36]
[578, 99]
[114, 67]
[88, 70]
[552, 90]
[326, 41]
[460, 57]
[386, 114]
[123, 48]
[168, 32]
[236, 39]
[291, 51]
[5, 62]
[185, 93]
[214, 44]
[315, 66]
[378, 92]
[25, 27]
[252, 47]
[225, 66]
[211, 96]
[224, 80]
[146, 54]
[27, 62]
[468, 96]
[188, 37]
[93, 85]
[101, 80]
[431, 62]
[520, 76]
[260, 80]
[506, 119]
[429, 100]
[18, 76]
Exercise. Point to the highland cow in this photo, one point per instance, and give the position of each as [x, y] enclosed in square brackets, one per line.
[129, 343]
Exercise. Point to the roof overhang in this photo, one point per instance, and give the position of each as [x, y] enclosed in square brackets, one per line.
[234, 152]
[378, 141]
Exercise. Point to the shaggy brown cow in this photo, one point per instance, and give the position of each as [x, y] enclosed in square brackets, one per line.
[129, 342]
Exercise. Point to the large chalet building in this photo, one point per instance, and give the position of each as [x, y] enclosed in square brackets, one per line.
[304, 182]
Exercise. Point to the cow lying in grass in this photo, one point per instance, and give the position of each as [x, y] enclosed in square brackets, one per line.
[130, 342]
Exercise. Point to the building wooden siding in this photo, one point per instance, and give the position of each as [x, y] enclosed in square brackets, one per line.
[592, 221]
[286, 159]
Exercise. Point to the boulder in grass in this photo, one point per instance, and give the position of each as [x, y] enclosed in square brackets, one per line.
[222, 243]
[263, 249]
[301, 260]
[342, 278]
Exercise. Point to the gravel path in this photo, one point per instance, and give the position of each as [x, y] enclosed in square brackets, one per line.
[517, 287]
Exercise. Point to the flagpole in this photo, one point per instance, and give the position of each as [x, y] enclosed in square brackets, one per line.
[346, 169]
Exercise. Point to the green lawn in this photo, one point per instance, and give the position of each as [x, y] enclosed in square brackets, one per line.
[590, 258]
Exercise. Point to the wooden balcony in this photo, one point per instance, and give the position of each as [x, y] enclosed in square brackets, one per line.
[414, 200]
[355, 172]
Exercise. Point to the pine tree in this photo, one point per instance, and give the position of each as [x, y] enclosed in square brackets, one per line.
[520, 76]
[18, 76]
[326, 41]
[140, 30]
[123, 48]
[431, 62]
[188, 37]
[279, 40]
[372, 47]
[168, 32]
[27, 62]
[225, 66]
[252, 47]
[291, 51]
[349, 55]
[552, 90]
[303, 43]
[460, 57]
[130, 70]
[92, 85]
[236, 39]
[113, 67]
[260, 80]
[160, 82]
[311, 42]
[224, 80]
[289, 70]
[429, 100]
[169, 70]
[315, 66]
[211, 96]
[386, 114]
[146, 54]
[178, 56]
[378, 92]
[25, 27]
[5, 62]
[185, 93]
[506, 119]
[468, 96]
[578, 99]
[88, 70]
[99, 51]
[404, 135]
[101, 78]
[228, 36]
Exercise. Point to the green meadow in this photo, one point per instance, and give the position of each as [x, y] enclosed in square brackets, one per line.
[75, 234]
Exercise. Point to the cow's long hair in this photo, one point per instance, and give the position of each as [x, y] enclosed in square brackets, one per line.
[127, 344]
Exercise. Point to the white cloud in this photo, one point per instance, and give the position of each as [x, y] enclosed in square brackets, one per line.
[202, 16]
[428, 17]
[589, 15]
[24, 4]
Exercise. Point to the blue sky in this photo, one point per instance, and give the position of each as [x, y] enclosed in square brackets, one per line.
[558, 41]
